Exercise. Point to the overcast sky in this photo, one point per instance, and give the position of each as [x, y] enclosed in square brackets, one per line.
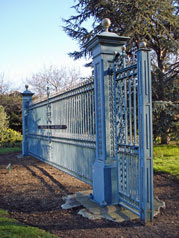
[31, 37]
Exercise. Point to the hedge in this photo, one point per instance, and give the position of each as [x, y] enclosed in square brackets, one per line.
[9, 137]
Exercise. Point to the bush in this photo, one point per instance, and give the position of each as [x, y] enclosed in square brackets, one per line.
[9, 137]
[3, 118]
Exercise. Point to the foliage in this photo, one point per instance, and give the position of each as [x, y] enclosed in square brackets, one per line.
[9, 137]
[54, 78]
[11, 228]
[154, 21]
[4, 86]
[165, 121]
[12, 103]
[3, 118]
[166, 159]
[7, 150]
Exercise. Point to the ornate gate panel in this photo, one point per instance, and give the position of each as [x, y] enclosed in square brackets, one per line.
[126, 130]
[133, 133]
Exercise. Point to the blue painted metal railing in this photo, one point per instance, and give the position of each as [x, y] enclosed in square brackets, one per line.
[71, 149]
[108, 137]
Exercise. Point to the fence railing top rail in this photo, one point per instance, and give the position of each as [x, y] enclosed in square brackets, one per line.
[66, 89]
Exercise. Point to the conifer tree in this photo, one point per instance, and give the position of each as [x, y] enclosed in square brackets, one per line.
[154, 21]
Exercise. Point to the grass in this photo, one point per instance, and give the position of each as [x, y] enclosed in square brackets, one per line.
[166, 159]
[6, 150]
[11, 228]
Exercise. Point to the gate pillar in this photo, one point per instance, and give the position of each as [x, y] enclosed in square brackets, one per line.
[26, 99]
[105, 176]
[145, 134]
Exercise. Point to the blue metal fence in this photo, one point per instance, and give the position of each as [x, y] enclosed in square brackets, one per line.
[71, 149]
[101, 130]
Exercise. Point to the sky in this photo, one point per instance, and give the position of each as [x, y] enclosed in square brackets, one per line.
[31, 38]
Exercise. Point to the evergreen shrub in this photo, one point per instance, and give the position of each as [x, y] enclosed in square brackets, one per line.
[9, 137]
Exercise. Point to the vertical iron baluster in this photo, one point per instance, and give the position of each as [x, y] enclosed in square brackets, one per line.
[126, 113]
[90, 119]
[73, 110]
[93, 111]
[88, 111]
[66, 115]
[77, 112]
[81, 114]
[134, 110]
[85, 115]
[132, 176]
[75, 122]
[130, 112]
[68, 124]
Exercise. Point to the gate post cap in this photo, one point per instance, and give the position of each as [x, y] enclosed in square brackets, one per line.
[106, 22]
[143, 44]
[27, 92]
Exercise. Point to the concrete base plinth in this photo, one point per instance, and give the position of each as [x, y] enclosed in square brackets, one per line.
[94, 211]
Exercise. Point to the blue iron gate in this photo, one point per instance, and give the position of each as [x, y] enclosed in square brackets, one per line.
[126, 130]
[108, 137]
[133, 132]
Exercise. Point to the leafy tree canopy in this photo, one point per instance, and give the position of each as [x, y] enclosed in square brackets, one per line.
[154, 21]
[3, 118]
[12, 104]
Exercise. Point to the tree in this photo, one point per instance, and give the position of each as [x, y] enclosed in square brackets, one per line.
[3, 118]
[156, 22]
[12, 104]
[4, 87]
[54, 78]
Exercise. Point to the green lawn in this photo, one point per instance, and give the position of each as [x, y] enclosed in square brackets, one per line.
[166, 159]
[5, 150]
[11, 228]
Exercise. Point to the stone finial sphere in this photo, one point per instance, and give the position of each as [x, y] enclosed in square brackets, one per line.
[26, 87]
[106, 22]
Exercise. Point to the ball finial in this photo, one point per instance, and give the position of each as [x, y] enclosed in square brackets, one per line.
[106, 22]
[143, 44]
[124, 48]
[26, 87]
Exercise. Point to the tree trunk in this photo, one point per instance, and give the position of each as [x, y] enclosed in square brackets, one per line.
[165, 139]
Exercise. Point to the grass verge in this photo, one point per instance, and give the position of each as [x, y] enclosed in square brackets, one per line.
[166, 159]
[6, 150]
[11, 228]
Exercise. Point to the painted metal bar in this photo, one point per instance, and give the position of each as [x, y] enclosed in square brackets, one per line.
[125, 68]
[129, 207]
[130, 111]
[83, 110]
[145, 135]
[134, 110]
[81, 117]
[85, 117]
[126, 111]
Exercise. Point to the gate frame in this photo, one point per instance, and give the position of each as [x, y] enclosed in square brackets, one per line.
[145, 134]
[105, 168]
[105, 175]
